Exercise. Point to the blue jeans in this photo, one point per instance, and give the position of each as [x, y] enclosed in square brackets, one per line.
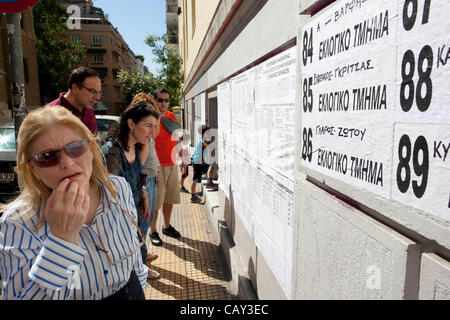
[150, 186]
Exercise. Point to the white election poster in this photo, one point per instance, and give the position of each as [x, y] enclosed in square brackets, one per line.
[243, 134]
[275, 81]
[423, 50]
[348, 94]
[257, 108]
[375, 96]
[422, 171]
[224, 136]
[421, 164]
[202, 100]
[243, 108]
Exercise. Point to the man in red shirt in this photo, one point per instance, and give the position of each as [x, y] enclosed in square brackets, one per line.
[84, 91]
[168, 177]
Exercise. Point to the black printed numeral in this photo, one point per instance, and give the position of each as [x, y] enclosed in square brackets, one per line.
[307, 144]
[408, 67]
[410, 20]
[307, 94]
[307, 47]
[420, 167]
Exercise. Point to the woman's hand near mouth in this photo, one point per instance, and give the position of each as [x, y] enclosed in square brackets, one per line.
[66, 210]
[71, 177]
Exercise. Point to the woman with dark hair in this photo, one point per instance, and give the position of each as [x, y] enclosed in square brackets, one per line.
[150, 170]
[136, 127]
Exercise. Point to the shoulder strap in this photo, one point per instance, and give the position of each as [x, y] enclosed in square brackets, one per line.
[141, 238]
[170, 124]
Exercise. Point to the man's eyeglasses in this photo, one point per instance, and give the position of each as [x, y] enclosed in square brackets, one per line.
[93, 91]
[53, 157]
[163, 100]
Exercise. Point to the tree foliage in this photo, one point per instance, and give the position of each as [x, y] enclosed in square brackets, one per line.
[168, 76]
[137, 82]
[57, 56]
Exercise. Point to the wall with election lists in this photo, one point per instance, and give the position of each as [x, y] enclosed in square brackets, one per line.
[374, 96]
[258, 171]
[334, 149]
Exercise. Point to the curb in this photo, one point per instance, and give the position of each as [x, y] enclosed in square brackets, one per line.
[239, 283]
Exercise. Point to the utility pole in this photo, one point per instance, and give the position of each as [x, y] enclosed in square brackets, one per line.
[16, 69]
[13, 9]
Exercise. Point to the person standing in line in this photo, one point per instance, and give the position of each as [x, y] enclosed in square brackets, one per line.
[123, 157]
[200, 167]
[185, 156]
[150, 170]
[169, 182]
[84, 91]
[72, 232]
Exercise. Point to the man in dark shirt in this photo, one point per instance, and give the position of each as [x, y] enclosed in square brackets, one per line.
[84, 91]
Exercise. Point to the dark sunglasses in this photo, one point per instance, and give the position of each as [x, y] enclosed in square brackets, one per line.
[52, 158]
[161, 100]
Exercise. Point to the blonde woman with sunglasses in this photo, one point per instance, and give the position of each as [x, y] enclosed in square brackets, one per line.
[72, 232]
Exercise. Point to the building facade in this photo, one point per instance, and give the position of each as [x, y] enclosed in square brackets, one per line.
[172, 12]
[194, 19]
[307, 210]
[32, 95]
[106, 51]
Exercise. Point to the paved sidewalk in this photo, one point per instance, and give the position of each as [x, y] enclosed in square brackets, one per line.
[190, 267]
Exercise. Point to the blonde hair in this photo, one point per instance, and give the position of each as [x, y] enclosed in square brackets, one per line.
[144, 97]
[36, 123]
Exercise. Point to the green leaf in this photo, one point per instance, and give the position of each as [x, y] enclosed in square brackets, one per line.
[57, 57]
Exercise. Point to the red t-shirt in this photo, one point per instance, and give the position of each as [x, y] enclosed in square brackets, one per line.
[164, 143]
[87, 116]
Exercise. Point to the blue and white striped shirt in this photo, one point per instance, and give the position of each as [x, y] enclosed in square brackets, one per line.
[38, 265]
